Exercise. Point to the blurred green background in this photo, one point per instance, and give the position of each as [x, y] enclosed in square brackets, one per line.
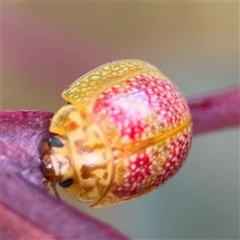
[47, 45]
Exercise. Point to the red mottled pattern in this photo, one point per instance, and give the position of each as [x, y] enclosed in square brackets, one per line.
[143, 108]
[147, 171]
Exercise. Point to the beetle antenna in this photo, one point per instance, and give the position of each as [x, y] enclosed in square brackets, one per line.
[54, 187]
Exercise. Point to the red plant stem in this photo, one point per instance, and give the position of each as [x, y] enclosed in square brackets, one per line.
[28, 212]
[215, 110]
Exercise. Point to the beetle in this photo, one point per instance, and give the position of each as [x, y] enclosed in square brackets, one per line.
[125, 131]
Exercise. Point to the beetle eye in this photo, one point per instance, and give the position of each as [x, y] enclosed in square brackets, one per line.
[66, 183]
[55, 142]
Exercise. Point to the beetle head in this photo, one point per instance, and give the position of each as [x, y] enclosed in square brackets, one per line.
[56, 163]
